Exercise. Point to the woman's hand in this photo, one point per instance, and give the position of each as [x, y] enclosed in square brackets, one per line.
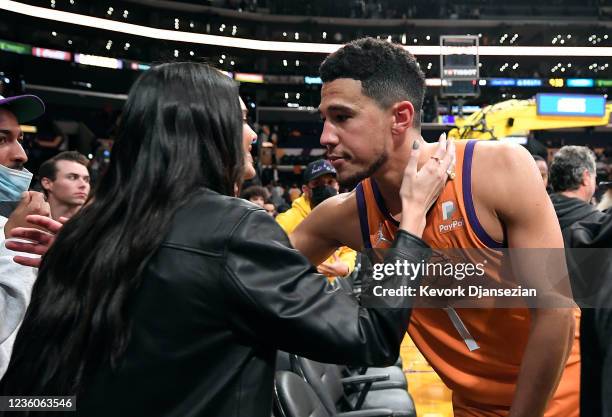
[40, 240]
[420, 189]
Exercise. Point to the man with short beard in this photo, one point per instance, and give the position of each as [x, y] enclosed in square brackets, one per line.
[15, 203]
[371, 100]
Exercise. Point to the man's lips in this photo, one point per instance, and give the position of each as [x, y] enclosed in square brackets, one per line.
[336, 161]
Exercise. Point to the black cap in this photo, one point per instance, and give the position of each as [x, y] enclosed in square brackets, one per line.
[318, 168]
[25, 108]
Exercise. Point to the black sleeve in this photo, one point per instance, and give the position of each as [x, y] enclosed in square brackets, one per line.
[280, 299]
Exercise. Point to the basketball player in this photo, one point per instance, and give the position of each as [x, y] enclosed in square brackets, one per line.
[498, 362]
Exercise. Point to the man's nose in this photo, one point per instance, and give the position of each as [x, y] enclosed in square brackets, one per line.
[328, 136]
[17, 154]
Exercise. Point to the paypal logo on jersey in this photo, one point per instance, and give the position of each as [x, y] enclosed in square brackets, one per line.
[448, 208]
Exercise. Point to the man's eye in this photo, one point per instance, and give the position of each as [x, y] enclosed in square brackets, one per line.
[3, 139]
[342, 118]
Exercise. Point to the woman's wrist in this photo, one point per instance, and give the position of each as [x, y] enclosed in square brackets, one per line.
[413, 219]
[413, 225]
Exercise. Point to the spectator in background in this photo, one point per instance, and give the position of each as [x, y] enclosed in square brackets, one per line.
[543, 167]
[320, 184]
[15, 280]
[65, 182]
[294, 193]
[573, 180]
[255, 194]
[279, 197]
[50, 137]
[270, 208]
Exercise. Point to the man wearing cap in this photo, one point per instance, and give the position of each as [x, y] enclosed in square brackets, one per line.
[16, 202]
[319, 184]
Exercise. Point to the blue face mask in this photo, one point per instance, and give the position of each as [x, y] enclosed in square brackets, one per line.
[13, 183]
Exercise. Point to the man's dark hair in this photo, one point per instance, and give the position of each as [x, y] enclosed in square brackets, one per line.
[48, 169]
[539, 158]
[254, 191]
[568, 165]
[388, 73]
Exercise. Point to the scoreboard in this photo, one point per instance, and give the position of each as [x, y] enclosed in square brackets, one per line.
[459, 69]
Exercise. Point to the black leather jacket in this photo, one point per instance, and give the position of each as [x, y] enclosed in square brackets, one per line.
[593, 276]
[221, 295]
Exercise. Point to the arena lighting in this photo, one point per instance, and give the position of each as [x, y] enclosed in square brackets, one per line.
[51, 54]
[98, 61]
[259, 45]
[433, 82]
[248, 78]
[139, 66]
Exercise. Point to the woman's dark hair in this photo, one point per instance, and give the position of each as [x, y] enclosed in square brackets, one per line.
[181, 131]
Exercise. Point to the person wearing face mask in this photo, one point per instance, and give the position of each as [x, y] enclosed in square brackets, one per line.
[16, 202]
[319, 184]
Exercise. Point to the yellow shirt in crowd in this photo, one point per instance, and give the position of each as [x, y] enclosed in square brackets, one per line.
[300, 208]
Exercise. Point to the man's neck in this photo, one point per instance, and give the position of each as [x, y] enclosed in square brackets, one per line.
[389, 177]
[579, 194]
[59, 209]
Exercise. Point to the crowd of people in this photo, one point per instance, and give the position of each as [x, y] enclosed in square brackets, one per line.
[163, 291]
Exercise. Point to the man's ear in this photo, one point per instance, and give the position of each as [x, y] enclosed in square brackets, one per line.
[586, 177]
[403, 117]
[46, 183]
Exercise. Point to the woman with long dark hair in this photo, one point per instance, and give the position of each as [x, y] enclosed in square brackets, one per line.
[167, 296]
